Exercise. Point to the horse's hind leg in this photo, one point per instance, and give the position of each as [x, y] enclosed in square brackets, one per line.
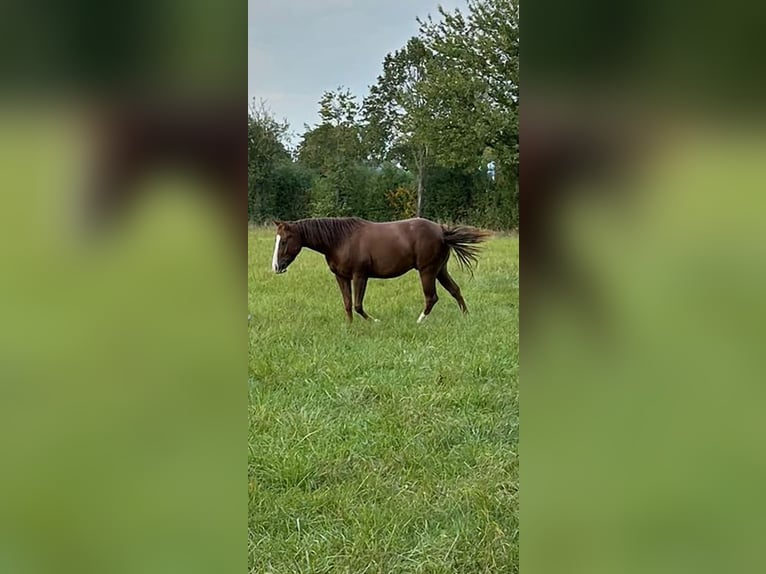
[428, 281]
[360, 286]
[449, 284]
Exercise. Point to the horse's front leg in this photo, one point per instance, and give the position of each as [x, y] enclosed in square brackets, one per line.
[360, 286]
[345, 289]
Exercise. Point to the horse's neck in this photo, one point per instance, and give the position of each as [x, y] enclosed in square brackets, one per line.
[325, 243]
[318, 246]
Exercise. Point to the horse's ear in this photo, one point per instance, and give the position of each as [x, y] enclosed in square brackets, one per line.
[277, 222]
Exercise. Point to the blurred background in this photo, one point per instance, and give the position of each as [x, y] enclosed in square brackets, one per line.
[122, 287]
[642, 177]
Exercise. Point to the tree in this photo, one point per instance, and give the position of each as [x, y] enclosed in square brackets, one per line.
[397, 114]
[436, 135]
[337, 139]
[264, 151]
[474, 91]
[334, 150]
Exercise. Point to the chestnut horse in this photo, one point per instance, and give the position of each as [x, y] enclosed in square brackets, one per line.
[204, 137]
[357, 250]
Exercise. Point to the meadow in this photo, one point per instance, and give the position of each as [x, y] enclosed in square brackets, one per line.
[382, 447]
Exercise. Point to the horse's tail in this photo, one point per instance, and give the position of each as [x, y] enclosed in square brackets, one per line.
[463, 240]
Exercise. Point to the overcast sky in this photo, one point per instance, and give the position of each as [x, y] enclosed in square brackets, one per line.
[297, 49]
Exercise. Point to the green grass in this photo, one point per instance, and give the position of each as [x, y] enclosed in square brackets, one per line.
[382, 447]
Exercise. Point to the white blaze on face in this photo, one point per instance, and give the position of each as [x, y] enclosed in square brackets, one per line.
[421, 318]
[275, 259]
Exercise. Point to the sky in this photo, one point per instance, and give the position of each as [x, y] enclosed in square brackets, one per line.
[297, 49]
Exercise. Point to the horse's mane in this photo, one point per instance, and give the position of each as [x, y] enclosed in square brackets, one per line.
[328, 231]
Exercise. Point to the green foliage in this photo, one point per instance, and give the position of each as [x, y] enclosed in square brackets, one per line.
[337, 141]
[474, 91]
[291, 184]
[387, 178]
[266, 161]
[383, 447]
[403, 201]
[395, 109]
[397, 113]
[339, 108]
[444, 107]
[323, 201]
[341, 193]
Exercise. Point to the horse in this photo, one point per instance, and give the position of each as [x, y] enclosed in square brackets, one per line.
[565, 148]
[133, 138]
[357, 250]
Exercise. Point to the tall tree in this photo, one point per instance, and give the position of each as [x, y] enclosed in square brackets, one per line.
[334, 150]
[397, 112]
[265, 150]
[337, 140]
[474, 91]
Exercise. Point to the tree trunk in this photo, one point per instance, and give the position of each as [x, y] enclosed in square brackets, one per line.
[420, 190]
[420, 161]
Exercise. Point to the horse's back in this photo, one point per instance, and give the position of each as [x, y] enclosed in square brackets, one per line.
[406, 231]
[391, 249]
[416, 225]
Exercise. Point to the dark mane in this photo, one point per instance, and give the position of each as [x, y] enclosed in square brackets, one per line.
[328, 231]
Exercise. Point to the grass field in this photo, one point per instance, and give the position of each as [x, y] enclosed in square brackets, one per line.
[382, 447]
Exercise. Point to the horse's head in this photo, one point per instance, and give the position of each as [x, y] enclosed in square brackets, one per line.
[288, 245]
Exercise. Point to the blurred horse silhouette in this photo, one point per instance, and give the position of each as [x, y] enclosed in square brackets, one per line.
[133, 139]
[559, 150]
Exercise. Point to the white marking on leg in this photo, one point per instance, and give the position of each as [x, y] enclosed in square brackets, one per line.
[421, 318]
[275, 259]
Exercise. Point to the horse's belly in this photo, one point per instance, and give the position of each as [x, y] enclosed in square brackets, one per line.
[390, 269]
[389, 259]
[388, 273]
